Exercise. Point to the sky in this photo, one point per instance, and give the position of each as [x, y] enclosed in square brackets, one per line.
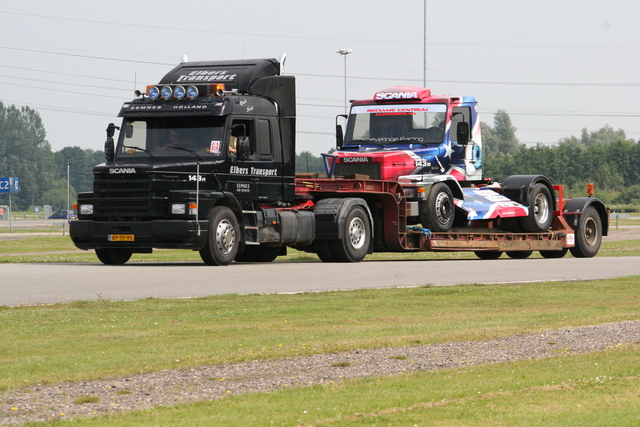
[556, 67]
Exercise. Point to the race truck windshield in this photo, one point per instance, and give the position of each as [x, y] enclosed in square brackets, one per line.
[396, 124]
[157, 138]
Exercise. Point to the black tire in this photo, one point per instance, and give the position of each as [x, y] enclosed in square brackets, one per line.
[519, 254]
[258, 254]
[513, 225]
[324, 250]
[588, 234]
[437, 213]
[540, 210]
[554, 254]
[113, 256]
[354, 245]
[488, 254]
[223, 239]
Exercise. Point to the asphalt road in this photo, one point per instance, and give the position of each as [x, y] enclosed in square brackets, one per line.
[49, 283]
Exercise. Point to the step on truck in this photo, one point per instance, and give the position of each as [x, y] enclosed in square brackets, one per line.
[205, 160]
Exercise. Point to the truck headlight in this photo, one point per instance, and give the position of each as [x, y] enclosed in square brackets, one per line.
[179, 92]
[178, 209]
[153, 92]
[192, 92]
[86, 209]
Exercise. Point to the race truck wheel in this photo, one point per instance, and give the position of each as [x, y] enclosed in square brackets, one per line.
[519, 254]
[356, 234]
[588, 234]
[223, 239]
[554, 254]
[488, 254]
[540, 210]
[113, 256]
[437, 213]
[258, 254]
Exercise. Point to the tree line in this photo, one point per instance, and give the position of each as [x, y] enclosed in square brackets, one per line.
[605, 157]
[25, 153]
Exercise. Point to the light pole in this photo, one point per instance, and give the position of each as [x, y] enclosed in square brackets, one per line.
[344, 53]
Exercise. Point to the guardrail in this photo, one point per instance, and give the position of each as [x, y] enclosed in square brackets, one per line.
[618, 216]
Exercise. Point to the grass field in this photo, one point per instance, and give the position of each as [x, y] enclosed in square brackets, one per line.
[89, 340]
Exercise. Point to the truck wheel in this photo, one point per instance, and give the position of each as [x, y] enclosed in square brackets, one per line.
[488, 254]
[113, 256]
[540, 210]
[438, 211]
[354, 245]
[258, 254]
[324, 250]
[588, 234]
[223, 239]
[519, 254]
[554, 254]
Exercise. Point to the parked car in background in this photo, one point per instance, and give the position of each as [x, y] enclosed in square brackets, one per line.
[62, 214]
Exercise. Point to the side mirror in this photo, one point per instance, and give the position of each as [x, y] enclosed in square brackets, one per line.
[339, 132]
[243, 148]
[109, 146]
[109, 149]
[128, 131]
[462, 133]
[111, 130]
[339, 136]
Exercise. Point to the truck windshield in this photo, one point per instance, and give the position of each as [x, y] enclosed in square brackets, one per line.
[155, 137]
[396, 124]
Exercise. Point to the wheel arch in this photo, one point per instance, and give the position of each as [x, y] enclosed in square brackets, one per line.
[573, 208]
[455, 188]
[518, 187]
[331, 214]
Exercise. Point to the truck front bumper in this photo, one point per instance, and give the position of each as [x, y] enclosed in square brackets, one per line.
[139, 236]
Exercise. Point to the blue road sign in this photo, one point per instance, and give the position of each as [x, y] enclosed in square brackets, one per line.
[5, 185]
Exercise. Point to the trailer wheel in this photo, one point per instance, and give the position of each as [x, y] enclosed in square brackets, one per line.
[113, 256]
[519, 254]
[437, 213]
[488, 254]
[588, 234]
[540, 210]
[258, 254]
[554, 254]
[223, 239]
[356, 234]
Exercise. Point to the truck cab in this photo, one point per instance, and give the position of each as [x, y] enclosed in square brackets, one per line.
[209, 135]
[408, 131]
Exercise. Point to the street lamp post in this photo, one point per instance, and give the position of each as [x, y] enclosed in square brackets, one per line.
[344, 53]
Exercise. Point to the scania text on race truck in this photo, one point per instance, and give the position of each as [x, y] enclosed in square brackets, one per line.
[204, 160]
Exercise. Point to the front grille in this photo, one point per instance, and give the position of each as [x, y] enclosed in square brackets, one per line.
[372, 170]
[125, 196]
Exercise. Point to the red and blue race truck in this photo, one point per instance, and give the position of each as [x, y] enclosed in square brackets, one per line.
[204, 161]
